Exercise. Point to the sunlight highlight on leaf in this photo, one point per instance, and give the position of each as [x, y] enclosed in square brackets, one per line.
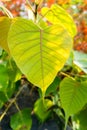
[57, 15]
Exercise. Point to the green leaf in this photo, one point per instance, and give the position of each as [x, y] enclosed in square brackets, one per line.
[21, 120]
[3, 78]
[41, 108]
[10, 89]
[13, 71]
[53, 87]
[80, 59]
[3, 98]
[73, 95]
[5, 23]
[81, 117]
[57, 15]
[39, 53]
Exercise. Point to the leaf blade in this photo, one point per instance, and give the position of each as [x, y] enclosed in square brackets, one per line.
[73, 95]
[56, 15]
[5, 23]
[39, 52]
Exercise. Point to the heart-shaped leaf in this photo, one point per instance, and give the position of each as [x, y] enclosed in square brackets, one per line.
[5, 23]
[73, 95]
[57, 15]
[39, 53]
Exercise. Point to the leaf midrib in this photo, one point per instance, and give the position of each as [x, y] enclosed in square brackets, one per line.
[41, 57]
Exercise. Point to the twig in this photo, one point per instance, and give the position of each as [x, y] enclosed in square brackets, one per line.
[12, 101]
[66, 75]
[6, 11]
[29, 6]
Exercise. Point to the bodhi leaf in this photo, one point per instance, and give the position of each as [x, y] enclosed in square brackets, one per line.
[73, 95]
[5, 23]
[39, 53]
[57, 15]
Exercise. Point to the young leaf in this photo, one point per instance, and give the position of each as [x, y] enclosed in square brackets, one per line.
[21, 120]
[5, 23]
[73, 95]
[57, 15]
[41, 107]
[39, 53]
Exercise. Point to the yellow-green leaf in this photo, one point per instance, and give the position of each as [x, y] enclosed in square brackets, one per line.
[5, 23]
[39, 53]
[73, 95]
[41, 108]
[57, 15]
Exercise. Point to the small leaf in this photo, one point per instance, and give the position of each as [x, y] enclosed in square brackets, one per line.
[81, 117]
[5, 23]
[39, 53]
[57, 15]
[73, 95]
[21, 120]
[41, 107]
[80, 59]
